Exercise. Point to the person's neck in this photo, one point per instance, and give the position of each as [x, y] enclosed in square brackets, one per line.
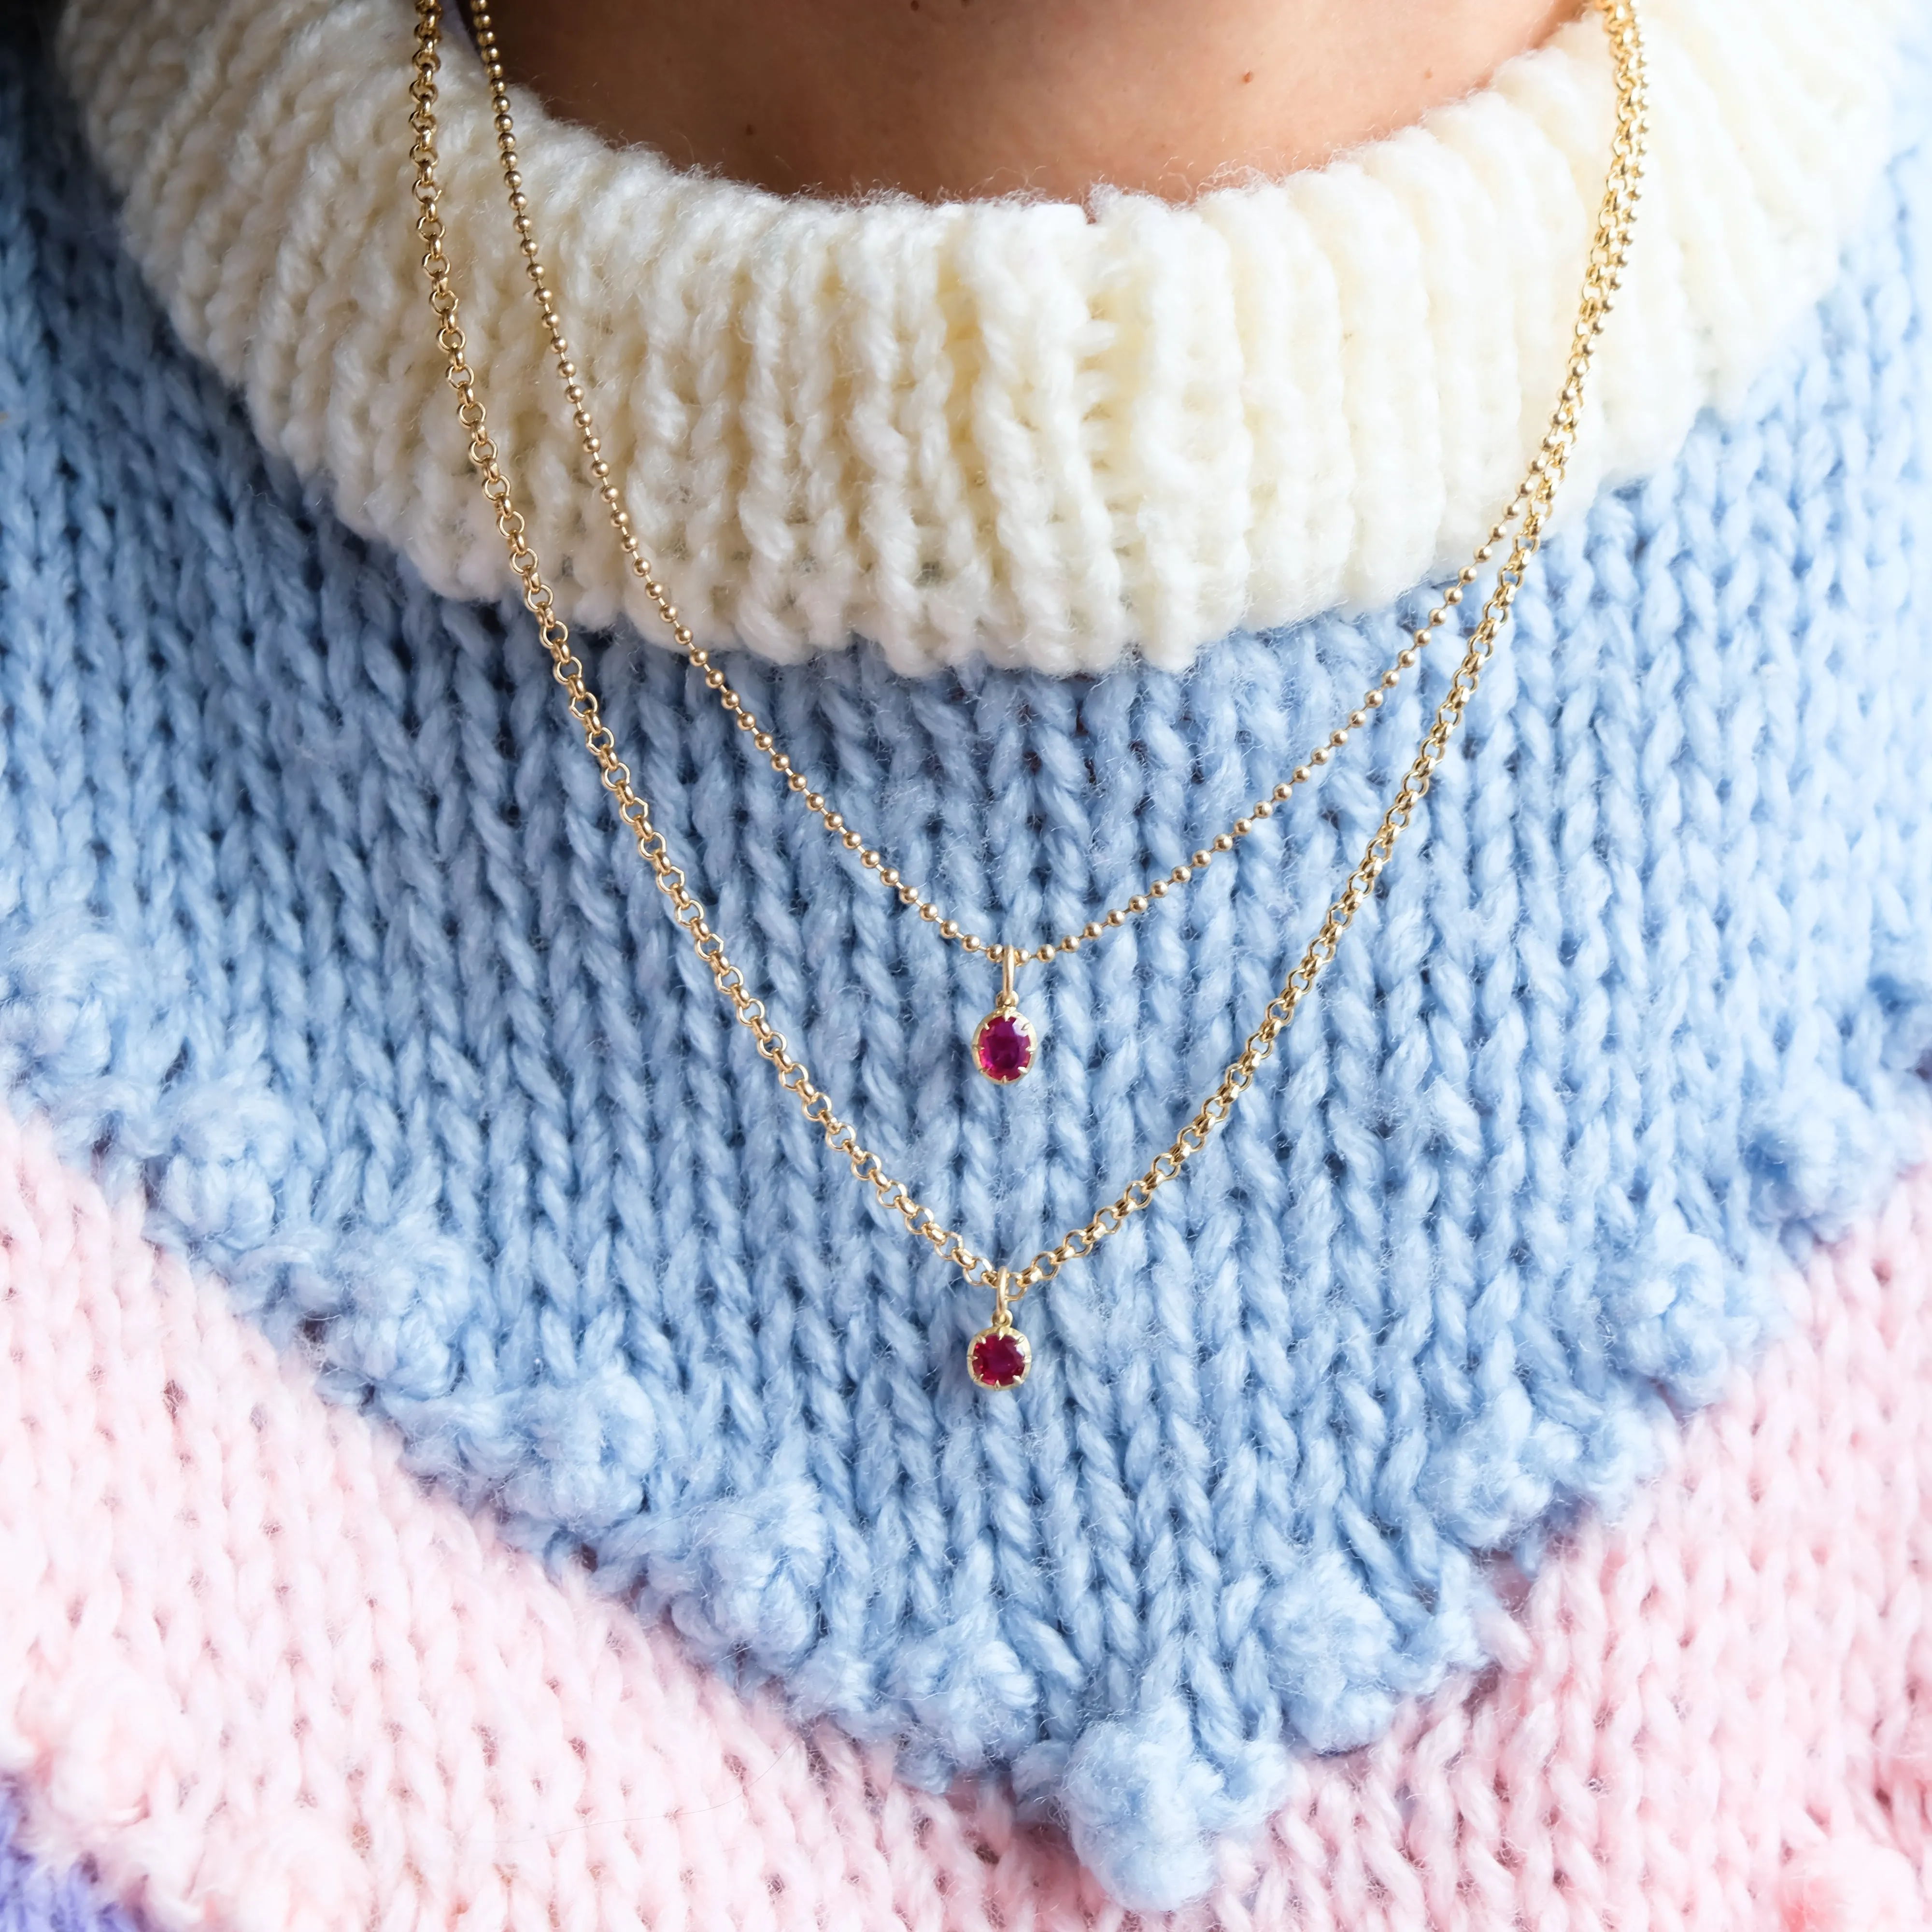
[964, 99]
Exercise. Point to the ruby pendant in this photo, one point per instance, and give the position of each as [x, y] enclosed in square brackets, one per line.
[1004, 1043]
[1003, 1048]
[999, 1358]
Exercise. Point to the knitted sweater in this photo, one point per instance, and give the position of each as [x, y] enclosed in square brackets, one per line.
[471, 1453]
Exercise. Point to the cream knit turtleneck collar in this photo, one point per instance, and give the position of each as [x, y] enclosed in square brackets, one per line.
[1001, 428]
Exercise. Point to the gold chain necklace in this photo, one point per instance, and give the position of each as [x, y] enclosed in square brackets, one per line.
[1004, 1045]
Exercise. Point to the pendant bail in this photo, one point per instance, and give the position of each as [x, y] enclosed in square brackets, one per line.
[1009, 1000]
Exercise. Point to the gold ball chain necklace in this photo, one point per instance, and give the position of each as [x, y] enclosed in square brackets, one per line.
[1005, 1044]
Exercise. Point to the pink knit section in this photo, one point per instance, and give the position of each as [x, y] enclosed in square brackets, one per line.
[266, 1681]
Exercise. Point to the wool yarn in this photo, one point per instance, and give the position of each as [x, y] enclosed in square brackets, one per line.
[311, 1695]
[35, 1898]
[997, 429]
[315, 939]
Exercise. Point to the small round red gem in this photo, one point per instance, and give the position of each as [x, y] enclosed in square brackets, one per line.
[1003, 1047]
[999, 1358]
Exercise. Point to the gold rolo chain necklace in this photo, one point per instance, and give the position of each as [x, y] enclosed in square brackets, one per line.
[1005, 1044]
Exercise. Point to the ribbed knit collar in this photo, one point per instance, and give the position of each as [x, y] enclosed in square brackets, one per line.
[1045, 434]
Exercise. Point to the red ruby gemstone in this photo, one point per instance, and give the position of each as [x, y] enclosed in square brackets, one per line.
[999, 1360]
[1005, 1048]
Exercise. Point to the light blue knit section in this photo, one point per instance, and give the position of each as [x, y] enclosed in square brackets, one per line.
[315, 926]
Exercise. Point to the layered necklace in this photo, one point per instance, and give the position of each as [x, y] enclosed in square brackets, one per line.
[1005, 1045]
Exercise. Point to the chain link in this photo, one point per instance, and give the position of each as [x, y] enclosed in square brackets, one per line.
[1527, 515]
[748, 721]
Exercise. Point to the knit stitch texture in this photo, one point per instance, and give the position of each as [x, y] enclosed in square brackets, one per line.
[987, 428]
[314, 930]
[311, 1695]
[37, 1898]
